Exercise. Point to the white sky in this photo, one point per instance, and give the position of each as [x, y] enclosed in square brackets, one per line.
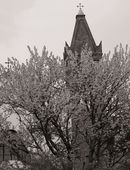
[51, 23]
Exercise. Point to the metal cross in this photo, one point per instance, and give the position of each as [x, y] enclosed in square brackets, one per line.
[80, 6]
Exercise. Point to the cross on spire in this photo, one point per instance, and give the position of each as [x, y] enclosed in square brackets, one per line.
[80, 6]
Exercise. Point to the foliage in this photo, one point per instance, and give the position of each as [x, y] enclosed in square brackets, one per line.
[36, 92]
[101, 96]
[13, 165]
[77, 109]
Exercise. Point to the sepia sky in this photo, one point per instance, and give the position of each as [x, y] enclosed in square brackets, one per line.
[51, 23]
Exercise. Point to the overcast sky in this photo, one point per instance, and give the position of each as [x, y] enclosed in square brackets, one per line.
[51, 23]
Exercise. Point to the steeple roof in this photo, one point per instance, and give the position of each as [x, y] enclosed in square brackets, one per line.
[82, 35]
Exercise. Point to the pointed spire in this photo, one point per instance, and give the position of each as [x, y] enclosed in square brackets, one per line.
[82, 35]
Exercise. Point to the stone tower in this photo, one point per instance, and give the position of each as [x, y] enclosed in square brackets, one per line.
[81, 36]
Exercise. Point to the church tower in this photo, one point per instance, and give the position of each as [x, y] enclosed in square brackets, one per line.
[82, 35]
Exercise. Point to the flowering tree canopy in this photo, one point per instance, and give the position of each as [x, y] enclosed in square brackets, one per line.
[36, 92]
[60, 104]
[101, 91]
